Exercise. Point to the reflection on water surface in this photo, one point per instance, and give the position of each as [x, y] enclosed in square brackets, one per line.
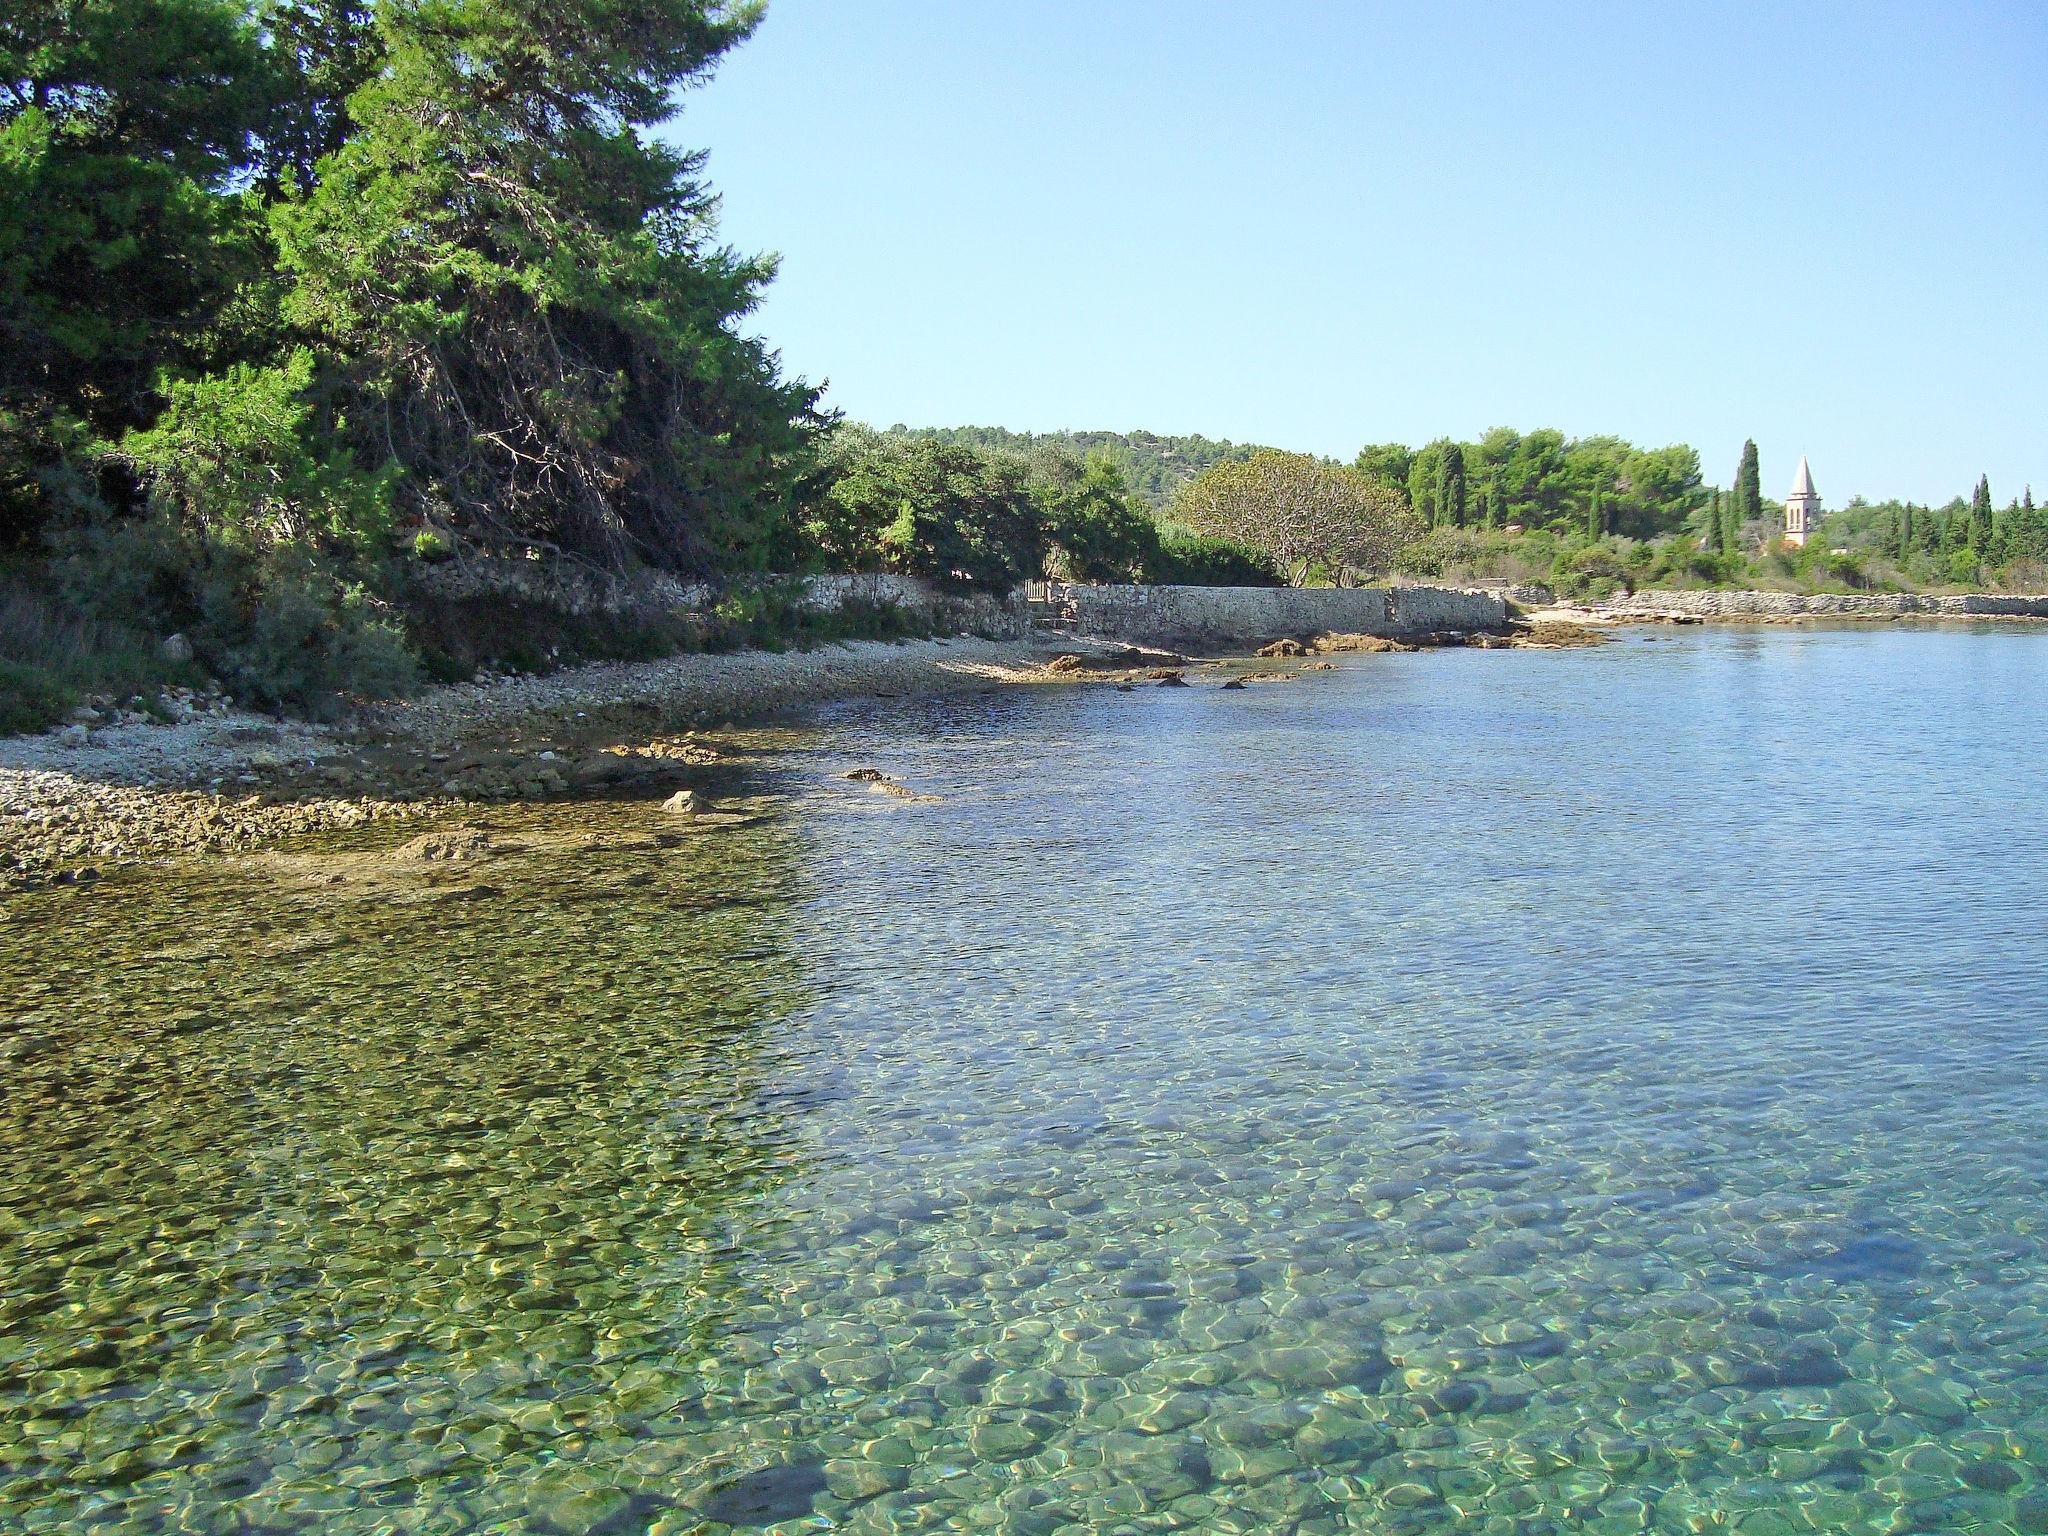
[1501, 1092]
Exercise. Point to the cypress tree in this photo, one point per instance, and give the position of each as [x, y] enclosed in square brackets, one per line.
[1596, 518]
[1979, 535]
[1451, 507]
[1749, 492]
[1731, 523]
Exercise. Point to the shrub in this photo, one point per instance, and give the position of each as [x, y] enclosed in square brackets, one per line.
[1191, 559]
[282, 624]
[52, 657]
[1456, 554]
[238, 449]
[1592, 570]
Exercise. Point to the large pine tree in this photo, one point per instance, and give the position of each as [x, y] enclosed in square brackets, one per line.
[124, 125]
[518, 294]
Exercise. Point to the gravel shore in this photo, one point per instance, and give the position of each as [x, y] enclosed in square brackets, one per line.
[73, 799]
[89, 794]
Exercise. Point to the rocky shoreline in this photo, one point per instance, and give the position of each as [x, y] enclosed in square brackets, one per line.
[118, 786]
[1777, 607]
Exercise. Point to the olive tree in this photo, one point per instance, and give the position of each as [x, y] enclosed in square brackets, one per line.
[1300, 512]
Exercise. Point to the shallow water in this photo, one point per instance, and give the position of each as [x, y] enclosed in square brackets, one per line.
[1477, 1091]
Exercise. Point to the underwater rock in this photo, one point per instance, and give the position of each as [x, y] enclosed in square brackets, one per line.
[766, 1496]
[1372, 645]
[451, 845]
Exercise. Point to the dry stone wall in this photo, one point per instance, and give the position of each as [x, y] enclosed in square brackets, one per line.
[1263, 613]
[581, 592]
[1740, 605]
[1005, 616]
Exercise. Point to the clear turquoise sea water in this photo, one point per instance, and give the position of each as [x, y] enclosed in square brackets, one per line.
[1488, 1092]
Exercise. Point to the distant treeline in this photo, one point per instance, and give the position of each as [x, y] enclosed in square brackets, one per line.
[1153, 467]
[1539, 479]
[1951, 542]
[1543, 479]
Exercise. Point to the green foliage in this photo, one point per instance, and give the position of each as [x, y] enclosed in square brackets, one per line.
[946, 510]
[122, 125]
[1948, 545]
[926, 508]
[1451, 498]
[1190, 559]
[1303, 514]
[1544, 480]
[1592, 570]
[521, 290]
[281, 623]
[294, 274]
[1980, 529]
[1749, 498]
[1387, 463]
[1153, 467]
[1094, 531]
[52, 658]
[237, 451]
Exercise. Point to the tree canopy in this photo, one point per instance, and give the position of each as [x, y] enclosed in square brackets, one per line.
[1301, 512]
[1542, 479]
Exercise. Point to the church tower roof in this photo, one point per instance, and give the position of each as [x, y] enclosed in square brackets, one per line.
[1802, 483]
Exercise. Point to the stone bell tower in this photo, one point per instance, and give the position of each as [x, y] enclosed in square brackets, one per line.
[1802, 507]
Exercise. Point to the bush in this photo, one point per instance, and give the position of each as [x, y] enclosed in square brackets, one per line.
[1191, 559]
[52, 657]
[239, 450]
[281, 624]
[1590, 571]
[1456, 555]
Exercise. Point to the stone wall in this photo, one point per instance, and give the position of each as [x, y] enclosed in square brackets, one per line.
[566, 587]
[981, 613]
[1740, 605]
[581, 592]
[1266, 613]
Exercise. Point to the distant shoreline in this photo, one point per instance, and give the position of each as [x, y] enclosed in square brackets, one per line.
[1707, 604]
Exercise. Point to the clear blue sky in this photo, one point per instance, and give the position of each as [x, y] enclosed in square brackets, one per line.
[1321, 225]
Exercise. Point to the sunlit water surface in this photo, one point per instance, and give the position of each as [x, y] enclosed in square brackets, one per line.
[1477, 1091]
